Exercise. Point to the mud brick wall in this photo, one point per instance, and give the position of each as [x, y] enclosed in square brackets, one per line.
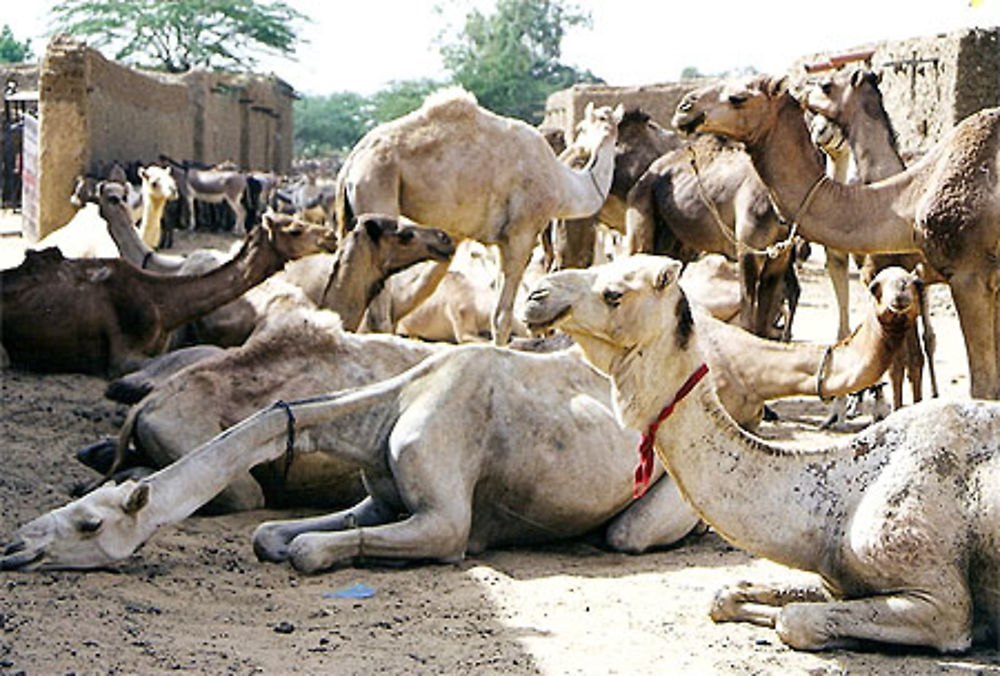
[564, 108]
[94, 112]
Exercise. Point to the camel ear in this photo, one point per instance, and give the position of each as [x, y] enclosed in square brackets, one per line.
[875, 288]
[777, 86]
[374, 228]
[142, 172]
[618, 113]
[137, 499]
[857, 78]
[667, 274]
[588, 112]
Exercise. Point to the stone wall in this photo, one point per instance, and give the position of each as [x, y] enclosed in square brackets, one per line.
[94, 112]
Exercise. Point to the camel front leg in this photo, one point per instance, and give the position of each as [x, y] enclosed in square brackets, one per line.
[760, 604]
[976, 301]
[640, 222]
[271, 538]
[907, 618]
[434, 535]
[515, 254]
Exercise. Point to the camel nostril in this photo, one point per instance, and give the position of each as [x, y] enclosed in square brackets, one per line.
[14, 547]
[538, 295]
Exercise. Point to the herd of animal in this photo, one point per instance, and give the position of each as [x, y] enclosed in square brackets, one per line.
[673, 345]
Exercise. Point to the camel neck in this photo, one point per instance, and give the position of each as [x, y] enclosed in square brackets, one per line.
[188, 297]
[585, 190]
[130, 244]
[860, 219]
[355, 280]
[760, 497]
[874, 150]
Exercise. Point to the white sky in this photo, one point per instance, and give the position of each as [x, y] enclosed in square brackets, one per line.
[360, 45]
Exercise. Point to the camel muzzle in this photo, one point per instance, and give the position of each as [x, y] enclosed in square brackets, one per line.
[539, 312]
[17, 556]
[687, 124]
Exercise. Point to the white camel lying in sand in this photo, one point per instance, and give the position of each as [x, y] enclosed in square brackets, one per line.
[900, 521]
[476, 447]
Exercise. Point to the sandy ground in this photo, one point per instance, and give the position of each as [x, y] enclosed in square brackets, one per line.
[195, 599]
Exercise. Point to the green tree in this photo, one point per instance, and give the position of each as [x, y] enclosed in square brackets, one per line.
[327, 124]
[12, 51]
[399, 98]
[511, 59]
[177, 35]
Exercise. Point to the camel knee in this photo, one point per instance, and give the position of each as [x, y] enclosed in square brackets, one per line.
[799, 626]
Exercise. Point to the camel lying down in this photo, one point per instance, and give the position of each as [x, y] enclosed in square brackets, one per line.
[476, 446]
[901, 521]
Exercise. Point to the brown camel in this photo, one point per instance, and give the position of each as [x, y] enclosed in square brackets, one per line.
[477, 175]
[105, 316]
[668, 212]
[853, 101]
[944, 206]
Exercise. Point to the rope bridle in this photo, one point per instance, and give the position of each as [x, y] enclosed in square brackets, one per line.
[775, 249]
[289, 437]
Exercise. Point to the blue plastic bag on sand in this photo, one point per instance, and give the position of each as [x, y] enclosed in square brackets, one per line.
[355, 591]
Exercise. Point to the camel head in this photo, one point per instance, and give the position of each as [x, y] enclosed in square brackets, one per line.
[839, 95]
[157, 183]
[400, 244]
[85, 190]
[610, 309]
[597, 130]
[90, 532]
[743, 110]
[294, 238]
[897, 295]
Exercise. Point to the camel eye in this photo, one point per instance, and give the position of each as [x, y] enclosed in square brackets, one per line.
[826, 87]
[737, 100]
[294, 232]
[613, 297]
[91, 525]
[405, 236]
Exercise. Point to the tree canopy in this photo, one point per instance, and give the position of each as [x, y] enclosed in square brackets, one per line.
[178, 35]
[12, 51]
[511, 59]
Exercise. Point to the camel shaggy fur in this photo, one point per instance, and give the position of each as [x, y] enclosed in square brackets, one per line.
[468, 467]
[944, 206]
[900, 521]
[105, 316]
[477, 175]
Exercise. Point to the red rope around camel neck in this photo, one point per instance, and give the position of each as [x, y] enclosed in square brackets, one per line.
[644, 471]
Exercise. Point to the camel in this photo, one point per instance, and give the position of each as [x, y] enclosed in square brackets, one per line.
[941, 207]
[778, 369]
[158, 188]
[640, 142]
[854, 102]
[723, 208]
[899, 521]
[474, 174]
[345, 281]
[468, 467]
[105, 316]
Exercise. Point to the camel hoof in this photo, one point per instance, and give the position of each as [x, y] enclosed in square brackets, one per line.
[269, 545]
[99, 455]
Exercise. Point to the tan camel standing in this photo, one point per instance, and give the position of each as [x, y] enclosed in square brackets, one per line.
[158, 188]
[451, 467]
[944, 206]
[474, 174]
[105, 316]
[722, 207]
[854, 102]
[900, 521]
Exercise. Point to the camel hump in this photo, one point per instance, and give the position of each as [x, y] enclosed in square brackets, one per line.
[450, 103]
